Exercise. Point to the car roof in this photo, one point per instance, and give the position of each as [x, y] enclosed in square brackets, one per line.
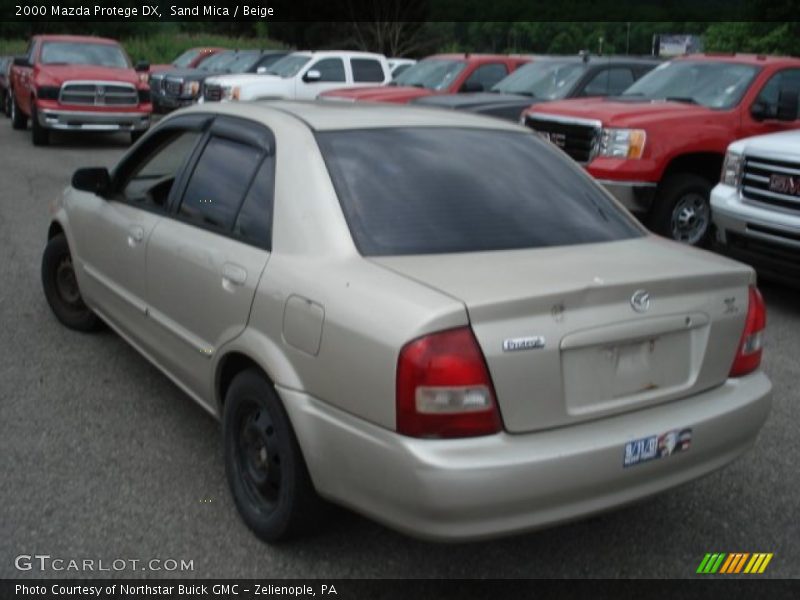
[331, 115]
[468, 56]
[83, 39]
[749, 59]
[353, 53]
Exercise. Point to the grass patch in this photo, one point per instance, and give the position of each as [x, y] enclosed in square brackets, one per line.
[162, 47]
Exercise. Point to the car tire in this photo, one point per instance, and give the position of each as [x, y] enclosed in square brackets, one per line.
[135, 135]
[264, 465]
[682, 209]
[39, 135]
[61, 288]
[18, 118]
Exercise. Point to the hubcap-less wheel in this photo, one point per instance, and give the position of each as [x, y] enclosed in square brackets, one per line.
[67, 284]
[690, 218]
[258, 456]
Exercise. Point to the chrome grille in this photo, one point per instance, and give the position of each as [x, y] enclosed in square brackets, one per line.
[172, 87]
[772, 182]
[212, 92]
[577, 139]
[99, 93]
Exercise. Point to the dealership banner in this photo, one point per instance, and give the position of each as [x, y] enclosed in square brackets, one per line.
[406, 589]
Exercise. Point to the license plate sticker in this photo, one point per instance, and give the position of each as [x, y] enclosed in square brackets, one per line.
[656, 446]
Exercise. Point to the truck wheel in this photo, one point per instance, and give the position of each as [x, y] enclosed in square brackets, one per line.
[61, 288]
[263, 462]
[39, 135]
[682, 210]
[18, 119]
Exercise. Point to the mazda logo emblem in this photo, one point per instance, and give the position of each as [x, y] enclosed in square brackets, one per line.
[640, 301]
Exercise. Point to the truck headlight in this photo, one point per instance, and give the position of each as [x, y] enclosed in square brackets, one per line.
[622, 143]
[192, 88]
[230, 92]
[731, 169]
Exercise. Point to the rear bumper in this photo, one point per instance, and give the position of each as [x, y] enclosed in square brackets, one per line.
[451, 490]
[636, 196]
[72, 120]
[766, 238]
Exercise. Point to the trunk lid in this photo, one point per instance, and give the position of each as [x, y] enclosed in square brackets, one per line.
[562, 338]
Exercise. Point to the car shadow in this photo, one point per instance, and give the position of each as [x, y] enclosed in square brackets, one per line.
[780, 295]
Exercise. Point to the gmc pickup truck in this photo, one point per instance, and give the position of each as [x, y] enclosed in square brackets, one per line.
[756, 205]
[79, 83]
[659, 146]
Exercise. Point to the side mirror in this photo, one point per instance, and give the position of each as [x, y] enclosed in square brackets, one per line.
[21, 61]
[142, 66]
[471, 86]
[312, 76]
[95, 180]
[787, 105]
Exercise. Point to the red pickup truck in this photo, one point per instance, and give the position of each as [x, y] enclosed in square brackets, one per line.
[438, 74]
[80, 83]
[659, 147]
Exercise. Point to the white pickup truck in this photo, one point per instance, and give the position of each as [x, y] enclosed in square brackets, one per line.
[301, 76]
[756, 205]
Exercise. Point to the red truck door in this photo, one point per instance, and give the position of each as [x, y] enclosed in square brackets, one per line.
[760, 117]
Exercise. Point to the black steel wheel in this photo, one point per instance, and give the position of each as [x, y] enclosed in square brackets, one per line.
[264, 465]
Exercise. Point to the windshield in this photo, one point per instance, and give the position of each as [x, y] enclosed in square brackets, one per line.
[440, 190]
[546, 80]
[185, 59]
[242, 62]
[712, 84]
[431, 73]
[74, 53]
[217, 62]
[288, 66]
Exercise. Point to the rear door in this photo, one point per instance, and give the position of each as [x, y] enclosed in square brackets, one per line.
[205, 261]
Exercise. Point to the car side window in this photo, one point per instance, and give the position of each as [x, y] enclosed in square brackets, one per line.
[366, 70]
[609, 82]
[218, 183]
[787, 79]
[152, 172]
[331, 70]
[254, 221]
[486, 76]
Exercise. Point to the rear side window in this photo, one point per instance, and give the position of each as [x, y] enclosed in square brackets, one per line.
[366, 70]
[440, 190]
[254, 222]
[218, 183]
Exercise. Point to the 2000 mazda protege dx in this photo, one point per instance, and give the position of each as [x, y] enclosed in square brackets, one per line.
[434, 318]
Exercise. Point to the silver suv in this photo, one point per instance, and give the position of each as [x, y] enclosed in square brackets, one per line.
[435, 318]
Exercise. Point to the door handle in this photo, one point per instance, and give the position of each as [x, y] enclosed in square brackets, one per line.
[233, 275]
[135, 235]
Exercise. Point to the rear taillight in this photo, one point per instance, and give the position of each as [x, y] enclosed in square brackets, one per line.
[748, 356]
[444, 389]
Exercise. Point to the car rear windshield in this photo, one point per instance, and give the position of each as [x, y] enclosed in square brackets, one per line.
[441, 190]
[73, 53]
[715, 84]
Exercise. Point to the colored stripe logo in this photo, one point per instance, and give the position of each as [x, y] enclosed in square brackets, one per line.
[734, 563]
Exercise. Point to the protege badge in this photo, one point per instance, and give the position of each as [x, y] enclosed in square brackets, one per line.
[523, 343]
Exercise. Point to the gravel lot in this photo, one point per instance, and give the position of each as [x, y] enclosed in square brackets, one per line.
[103, 457]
